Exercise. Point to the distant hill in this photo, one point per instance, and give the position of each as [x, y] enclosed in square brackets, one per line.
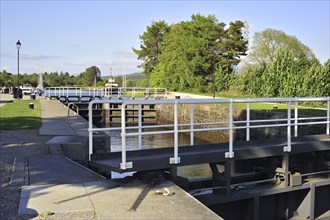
[133, 76]
[136, 76]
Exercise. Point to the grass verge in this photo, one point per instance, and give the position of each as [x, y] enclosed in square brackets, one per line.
[17, 115]
[304, 108]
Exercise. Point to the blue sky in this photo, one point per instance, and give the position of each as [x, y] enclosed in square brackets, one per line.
[71, 36]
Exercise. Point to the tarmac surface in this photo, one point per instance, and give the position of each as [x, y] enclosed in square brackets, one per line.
[56, 184]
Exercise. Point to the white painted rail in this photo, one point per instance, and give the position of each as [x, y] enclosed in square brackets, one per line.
[193, 126]
[129, 92]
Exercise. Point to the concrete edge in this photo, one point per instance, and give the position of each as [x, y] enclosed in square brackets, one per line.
[103, 177]
[19, 176]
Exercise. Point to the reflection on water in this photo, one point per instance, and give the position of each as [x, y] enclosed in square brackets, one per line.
[149, 141]
[161, 141]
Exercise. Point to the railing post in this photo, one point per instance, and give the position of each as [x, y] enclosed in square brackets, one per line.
[124, 164]
[140, 125]
[296, 119]
[288, 147]
[328, 116]
[230, 154]
[176, 158]
[90, 130]
[248, 120]
[192, 110]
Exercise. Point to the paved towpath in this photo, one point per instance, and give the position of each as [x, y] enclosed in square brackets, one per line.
[183, 95]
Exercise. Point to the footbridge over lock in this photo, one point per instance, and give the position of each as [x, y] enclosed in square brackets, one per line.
[293, 166]
[83, 94]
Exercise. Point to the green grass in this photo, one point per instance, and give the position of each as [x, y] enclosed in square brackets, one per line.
[137, 94]
[308, 108]
[281, 107]
[17, 115]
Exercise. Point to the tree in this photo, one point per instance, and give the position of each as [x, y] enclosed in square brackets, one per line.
[6, 79]
[323, 85]
[193, 50]
[268, 42]
[151, 45]
[230, 46]
[90, 75]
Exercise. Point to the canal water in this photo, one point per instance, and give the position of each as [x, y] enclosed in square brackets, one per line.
[161, 141]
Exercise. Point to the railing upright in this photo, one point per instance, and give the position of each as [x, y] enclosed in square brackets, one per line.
[288, 147]
[140, 125]
[230, 153]
[123, 137]
[176, 158]
[90, 129]
[192, 112]
[296, 119]
[328, 117]
[248, 120]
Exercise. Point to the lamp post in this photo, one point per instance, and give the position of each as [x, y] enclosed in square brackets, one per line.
[18, 45]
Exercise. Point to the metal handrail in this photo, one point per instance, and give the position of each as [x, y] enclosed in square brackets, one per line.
[76, 91]
[228, 125]
[104, 92]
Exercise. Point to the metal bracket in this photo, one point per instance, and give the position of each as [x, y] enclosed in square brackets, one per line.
[286, 149]
[129, 165]
[229, 154]
[172, 160]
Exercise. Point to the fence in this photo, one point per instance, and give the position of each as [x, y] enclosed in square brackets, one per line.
[230, 125]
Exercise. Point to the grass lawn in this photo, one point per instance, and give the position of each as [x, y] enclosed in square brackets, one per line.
[17, 115]
[279, 107]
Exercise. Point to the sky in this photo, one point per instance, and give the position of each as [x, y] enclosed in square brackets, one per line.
[70, 36]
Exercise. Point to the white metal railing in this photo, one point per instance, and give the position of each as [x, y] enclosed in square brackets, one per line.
[73, 91]
[193, 126]
[132, 92]
[135, 92]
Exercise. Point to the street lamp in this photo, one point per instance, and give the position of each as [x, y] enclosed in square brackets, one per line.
[18, 45]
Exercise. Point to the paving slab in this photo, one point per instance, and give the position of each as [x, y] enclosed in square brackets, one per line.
[56, 185]
[61, 186]
[138, 200]
[55, 198]
[53, 119]
[58, 170]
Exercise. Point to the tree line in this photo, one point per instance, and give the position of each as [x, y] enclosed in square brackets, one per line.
[91, 77]
[205, 55]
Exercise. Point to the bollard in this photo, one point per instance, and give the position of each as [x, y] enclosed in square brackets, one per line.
[31, 105]
[33, 96]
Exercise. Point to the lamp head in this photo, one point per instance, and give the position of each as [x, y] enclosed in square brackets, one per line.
[18, 45]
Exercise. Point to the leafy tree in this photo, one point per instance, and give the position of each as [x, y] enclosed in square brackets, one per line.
[230, 46]
[193, 50]
[249, 80]
[310, 80]
[323, 85]
[280, 65]
[151, 45]
[268, 42]
[6, 79]
[90, 75]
